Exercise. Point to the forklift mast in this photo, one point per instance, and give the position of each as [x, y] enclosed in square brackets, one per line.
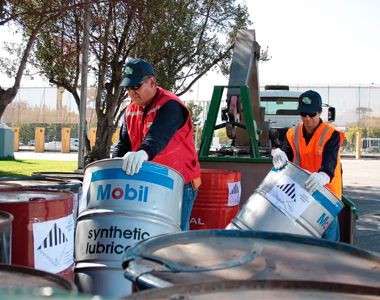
[244, 72]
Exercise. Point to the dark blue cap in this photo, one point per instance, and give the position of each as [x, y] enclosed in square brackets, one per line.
[309, 102]
[135, 70]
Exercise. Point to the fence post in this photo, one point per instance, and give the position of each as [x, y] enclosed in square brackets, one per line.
[40, 139]
[358, 146]
[66, 142]
[16, 139]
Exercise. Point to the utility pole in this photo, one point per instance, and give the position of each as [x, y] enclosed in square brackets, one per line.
[83, 94]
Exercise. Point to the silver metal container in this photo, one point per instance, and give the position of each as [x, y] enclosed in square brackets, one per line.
[155, 190]
[120, 211]
[260, 289]
[282, 204]
[206, 256]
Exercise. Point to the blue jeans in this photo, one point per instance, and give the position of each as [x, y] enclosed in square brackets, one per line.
[189, 195]
[332, 232]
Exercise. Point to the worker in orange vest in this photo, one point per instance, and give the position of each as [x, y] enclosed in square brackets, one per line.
[314, 145]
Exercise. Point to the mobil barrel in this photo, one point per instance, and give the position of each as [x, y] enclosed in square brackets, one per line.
[42, 229]
[218, 199]
[6, 220]
[155, 190]
[260, 289]
[205, 256]
[282, 204]
[121, 211]
[19, 282]
[61, 184]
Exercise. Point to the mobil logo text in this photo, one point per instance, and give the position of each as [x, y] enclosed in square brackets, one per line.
[127, 192]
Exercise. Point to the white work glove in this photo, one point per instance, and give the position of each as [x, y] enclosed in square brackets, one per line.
[132, 161]
[279, 158]
[316, 180]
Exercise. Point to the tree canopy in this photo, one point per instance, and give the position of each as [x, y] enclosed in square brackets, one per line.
[183, 39]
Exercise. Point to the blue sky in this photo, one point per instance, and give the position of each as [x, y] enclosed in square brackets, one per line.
[318, 41]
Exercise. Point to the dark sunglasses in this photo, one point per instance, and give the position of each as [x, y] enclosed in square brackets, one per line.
[136, 87]
[311, 115]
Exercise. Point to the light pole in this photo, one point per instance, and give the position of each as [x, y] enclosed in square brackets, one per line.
[83, 95]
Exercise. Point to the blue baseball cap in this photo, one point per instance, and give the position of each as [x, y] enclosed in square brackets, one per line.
[135, 70]
[309, 102]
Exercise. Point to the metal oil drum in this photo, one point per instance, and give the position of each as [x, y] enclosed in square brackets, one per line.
[155, 190]
[56, 184]
[282, 204]
[205, 256]
[217, 200]
[59, 175]
[121, 211]
[19, 282]
[260, 289]
[42, 229]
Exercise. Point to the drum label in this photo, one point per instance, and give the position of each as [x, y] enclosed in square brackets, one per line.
[111, 240]
[106, 237]
[54, 244]
[288, 196]
[234, 193]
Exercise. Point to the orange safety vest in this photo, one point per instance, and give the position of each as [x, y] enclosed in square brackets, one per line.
[309, 157]
[179, 153]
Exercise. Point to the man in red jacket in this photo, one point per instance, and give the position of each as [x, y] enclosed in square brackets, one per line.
[157, 127]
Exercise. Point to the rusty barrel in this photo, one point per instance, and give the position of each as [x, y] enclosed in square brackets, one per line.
[6, 220]
[42, 229]
[218, 199]
[282, 204]
[203, 256]
[50, 183]
[120, 211]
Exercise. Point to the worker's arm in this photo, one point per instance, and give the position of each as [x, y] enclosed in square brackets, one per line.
[287, 149]
[330, 155]
[124, 144]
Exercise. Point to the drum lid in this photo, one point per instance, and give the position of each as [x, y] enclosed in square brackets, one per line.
[209, 255]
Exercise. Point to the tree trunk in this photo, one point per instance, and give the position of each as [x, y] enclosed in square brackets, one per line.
[104, 131]
[6, 97]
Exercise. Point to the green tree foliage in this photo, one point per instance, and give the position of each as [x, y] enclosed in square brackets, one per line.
[183, 39]
[195, 112]
[29, 18]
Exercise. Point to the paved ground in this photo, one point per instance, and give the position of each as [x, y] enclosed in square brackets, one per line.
[361, 180]
[361, 184]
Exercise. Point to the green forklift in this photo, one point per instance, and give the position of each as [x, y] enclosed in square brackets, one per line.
[251, 137]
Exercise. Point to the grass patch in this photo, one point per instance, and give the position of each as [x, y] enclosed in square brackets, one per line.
[24, 168]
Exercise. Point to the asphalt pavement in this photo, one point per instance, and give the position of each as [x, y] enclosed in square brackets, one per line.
[361, 185]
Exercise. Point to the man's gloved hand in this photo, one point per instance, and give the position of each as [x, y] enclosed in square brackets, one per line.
[316, 180]
[132, 161]
[279, 158]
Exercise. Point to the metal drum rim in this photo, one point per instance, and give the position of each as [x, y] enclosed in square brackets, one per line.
[218, 286]
[121, 159]
[67, 284]
[158, 242]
